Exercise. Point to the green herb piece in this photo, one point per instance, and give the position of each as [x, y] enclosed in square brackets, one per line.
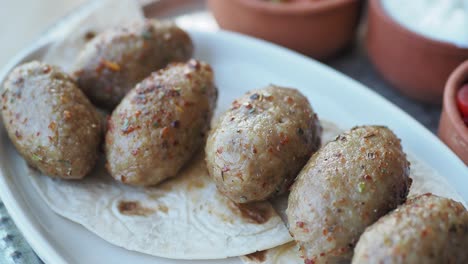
[125, 125]
[36, 157]
[361, 187]
[155, 124]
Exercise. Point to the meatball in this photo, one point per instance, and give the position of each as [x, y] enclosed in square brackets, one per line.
[50, 121]
[160, 124]
[113, 62]
[346, 186]
[261, 143]
[426, 229]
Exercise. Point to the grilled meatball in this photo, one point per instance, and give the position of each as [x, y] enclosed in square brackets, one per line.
[426, 229]
[160, 124]
[261, 143]
[50, 121]
[346, 186]
[113, 62]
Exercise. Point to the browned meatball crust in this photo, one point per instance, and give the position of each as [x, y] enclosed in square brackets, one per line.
[427, 229]
[50, 121]
[261, 143]
[160, 124]
[113, 62]
[346, 186]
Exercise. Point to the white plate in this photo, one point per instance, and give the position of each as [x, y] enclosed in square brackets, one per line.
[240, 63]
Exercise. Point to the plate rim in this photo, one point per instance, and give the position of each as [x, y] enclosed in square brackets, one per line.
[15, 203]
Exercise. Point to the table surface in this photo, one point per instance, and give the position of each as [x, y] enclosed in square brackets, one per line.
[352, 62]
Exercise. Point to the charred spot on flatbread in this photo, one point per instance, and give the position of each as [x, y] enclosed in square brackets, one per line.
[257, 256]
[134, 208]
[256, 212]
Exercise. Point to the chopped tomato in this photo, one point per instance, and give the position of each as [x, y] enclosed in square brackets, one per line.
[462, 102]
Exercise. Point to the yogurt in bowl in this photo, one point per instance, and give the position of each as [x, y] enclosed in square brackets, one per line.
[442, 20]
[416, 44]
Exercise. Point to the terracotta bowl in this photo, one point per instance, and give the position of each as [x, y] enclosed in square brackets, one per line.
[319, 29]
[415, 65]
[452, 129]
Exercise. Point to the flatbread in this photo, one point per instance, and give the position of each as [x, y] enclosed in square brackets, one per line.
[107, 14]
[284, 254]
[183, 218]
[425, 180]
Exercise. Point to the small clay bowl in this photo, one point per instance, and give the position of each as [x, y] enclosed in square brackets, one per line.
[452, 129]
[318, 28]
[415, 65]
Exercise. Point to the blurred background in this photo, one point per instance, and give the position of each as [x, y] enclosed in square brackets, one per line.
[21, 21]
[356, 37]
